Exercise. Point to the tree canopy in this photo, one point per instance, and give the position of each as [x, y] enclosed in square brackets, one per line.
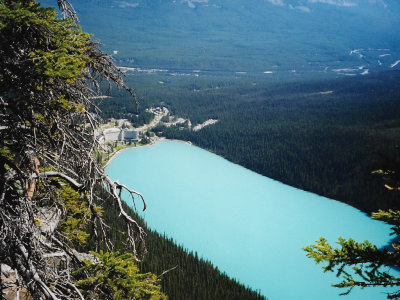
[50, 175]
[362, 264]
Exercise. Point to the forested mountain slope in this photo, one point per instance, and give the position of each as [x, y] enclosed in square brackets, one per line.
[293, 132]
[323, 136]
[310, 38]
[190, 278]
[49, 71]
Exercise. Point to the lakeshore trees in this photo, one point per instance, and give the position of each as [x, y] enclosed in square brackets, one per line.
[49, 174]
[362, 264]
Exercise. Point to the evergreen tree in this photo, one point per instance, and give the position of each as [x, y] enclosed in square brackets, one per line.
[362, 264]
[116, 276]
[49, 171]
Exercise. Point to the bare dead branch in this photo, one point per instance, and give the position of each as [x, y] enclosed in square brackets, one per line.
[131, 192]
[166, 271]
[74, 183]
[33, 274]
[77, 291]
[67, 9]
[44, 121]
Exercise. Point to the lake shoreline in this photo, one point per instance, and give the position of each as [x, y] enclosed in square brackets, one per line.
[158, 139]
[196, 197]
[152, 143]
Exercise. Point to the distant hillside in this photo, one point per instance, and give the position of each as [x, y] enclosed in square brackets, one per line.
[323, 136]
[290, 37]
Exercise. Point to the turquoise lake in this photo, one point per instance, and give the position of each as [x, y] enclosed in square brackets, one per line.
[250, 226]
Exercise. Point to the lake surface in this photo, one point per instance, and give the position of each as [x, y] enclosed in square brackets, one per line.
[250, 226]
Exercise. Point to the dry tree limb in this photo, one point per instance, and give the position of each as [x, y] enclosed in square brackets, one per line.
[29, 272]
[131, 193]
[166, 271]
[116, 190]
[77, 291]
[44, 121]
[49, 174]
[67, 9]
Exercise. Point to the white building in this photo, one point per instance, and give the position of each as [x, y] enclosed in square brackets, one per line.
[112, 134]
[129, 135]
[117, 134]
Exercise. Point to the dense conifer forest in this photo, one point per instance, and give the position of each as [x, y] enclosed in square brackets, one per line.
[323, 136]
[191, 277]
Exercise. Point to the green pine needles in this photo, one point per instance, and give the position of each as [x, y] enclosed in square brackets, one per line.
[51, 182]
[362, 264]
[116, 275]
